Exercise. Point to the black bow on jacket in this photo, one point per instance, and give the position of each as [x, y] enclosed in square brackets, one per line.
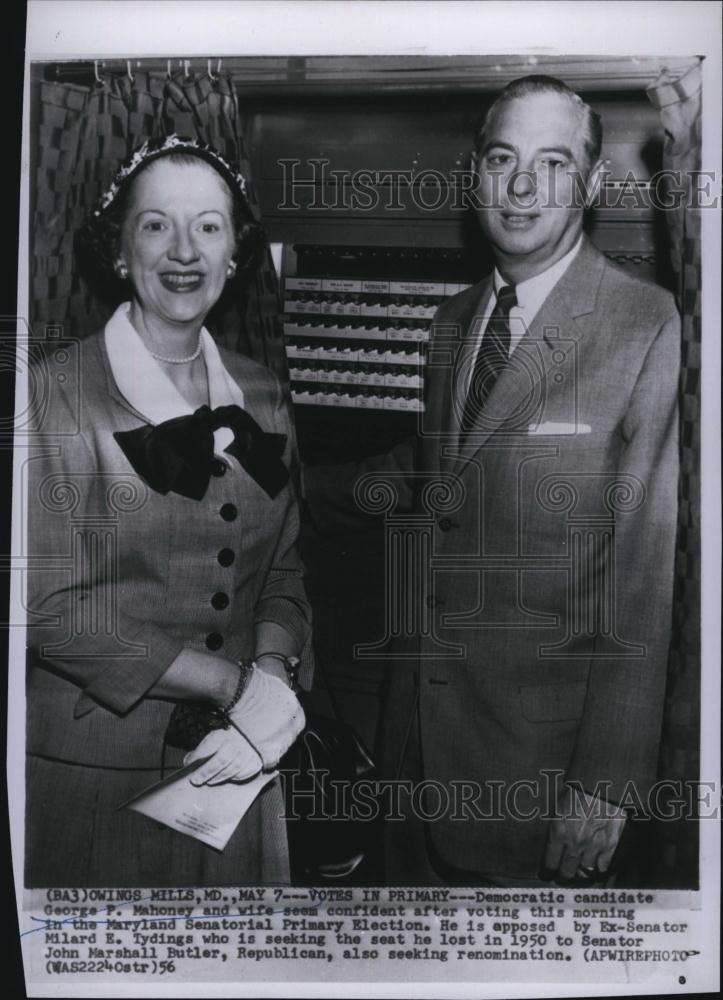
[177, 455]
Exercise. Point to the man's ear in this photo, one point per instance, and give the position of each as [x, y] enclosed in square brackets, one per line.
[595, 178]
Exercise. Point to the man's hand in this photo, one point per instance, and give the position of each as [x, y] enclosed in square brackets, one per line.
[583, 836]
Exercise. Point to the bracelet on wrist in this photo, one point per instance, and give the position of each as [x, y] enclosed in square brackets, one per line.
[221, 714]
[291, 665]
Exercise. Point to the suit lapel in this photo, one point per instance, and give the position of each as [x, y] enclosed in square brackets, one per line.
[520, 391]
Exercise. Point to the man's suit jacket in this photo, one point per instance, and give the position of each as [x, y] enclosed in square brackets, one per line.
[122, 578]
[552, 568]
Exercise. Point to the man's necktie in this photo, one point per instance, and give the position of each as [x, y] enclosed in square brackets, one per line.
[177, 455]
[492, 356]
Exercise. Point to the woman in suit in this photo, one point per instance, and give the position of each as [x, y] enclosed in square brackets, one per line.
[162, 533]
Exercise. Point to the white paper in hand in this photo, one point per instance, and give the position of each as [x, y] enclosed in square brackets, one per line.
[209, 813]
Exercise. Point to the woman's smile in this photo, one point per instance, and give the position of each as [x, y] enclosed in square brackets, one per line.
[181, 282]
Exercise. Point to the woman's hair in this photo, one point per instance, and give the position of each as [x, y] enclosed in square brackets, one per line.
[98, 243]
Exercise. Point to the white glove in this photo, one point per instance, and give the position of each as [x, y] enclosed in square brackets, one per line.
[234, 759]
[269, 715]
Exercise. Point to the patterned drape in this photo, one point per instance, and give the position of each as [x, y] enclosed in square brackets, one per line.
[84, 132]
[679, 104]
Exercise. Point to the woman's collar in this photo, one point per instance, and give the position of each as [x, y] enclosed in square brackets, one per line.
[147, 387]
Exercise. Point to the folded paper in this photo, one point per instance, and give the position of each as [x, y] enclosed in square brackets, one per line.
[210, 813]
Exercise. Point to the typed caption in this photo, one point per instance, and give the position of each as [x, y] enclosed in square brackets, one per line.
[73, 936]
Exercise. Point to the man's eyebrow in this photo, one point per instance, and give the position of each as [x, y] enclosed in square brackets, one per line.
[498, 145]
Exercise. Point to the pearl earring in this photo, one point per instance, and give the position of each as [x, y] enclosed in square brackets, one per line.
[231, 269]
[122, 271]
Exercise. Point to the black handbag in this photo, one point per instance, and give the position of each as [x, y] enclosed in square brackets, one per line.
[188, 724]
[333, 812]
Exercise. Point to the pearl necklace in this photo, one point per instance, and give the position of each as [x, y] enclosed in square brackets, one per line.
[179, 361]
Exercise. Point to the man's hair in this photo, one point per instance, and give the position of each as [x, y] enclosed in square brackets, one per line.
[539, 84]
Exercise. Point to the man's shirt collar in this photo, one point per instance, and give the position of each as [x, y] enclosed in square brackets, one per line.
[533, 292]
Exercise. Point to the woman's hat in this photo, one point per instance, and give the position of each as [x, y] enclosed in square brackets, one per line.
[154, 149]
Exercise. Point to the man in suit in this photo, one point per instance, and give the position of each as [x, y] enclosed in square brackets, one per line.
[527, 715]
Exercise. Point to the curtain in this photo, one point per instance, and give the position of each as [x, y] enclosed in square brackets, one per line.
[679, 104]
[84, 132]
